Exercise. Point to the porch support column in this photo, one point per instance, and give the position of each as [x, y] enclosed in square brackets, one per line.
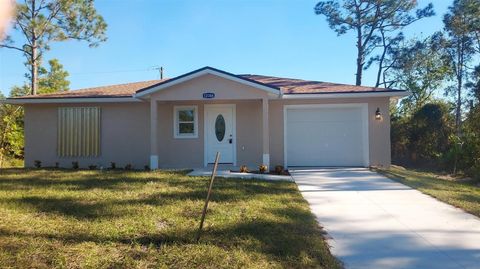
[153, 135]
[265, 133]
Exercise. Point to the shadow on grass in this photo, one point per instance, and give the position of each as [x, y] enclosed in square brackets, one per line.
[16, 179]
[288, 239]
[286, 232]
[69, 207]
[19, 179]
[82, 208]
[170, 188]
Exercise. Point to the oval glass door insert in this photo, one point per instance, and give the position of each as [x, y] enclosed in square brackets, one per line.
[220, 127]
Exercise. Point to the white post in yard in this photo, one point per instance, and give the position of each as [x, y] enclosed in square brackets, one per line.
[153, 135]
[265, 133]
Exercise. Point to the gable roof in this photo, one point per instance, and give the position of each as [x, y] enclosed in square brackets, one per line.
[277, 85]
[204, 71]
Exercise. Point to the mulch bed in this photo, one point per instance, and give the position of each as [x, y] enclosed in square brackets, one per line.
[284, 173]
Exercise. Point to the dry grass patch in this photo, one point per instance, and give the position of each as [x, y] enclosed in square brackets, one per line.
[118, 219]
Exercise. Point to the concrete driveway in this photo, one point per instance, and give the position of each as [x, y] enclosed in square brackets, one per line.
[374, 222]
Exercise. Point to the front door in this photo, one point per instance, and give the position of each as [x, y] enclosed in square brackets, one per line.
[220, 133]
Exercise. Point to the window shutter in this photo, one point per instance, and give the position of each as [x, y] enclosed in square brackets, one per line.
[78, 132]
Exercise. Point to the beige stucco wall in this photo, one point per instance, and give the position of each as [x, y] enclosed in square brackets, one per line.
[224, 90]
[187, 153]
[125, 135]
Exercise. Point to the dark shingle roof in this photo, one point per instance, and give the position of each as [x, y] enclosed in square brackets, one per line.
[118, 90]
[286, 85]
[299, 86]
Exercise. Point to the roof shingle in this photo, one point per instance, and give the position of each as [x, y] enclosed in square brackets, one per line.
[299, 86]
[286, 85]
[118, 90]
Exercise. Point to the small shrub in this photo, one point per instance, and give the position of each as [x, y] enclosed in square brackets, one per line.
[262, 169]
[75, 165]
[279, 170]
[128, 167]
[113, 165]
[243, 169]
[146, 167]
[37, 164]
[92, 167]
[57, 165]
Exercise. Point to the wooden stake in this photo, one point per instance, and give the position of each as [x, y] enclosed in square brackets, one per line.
[214, 172]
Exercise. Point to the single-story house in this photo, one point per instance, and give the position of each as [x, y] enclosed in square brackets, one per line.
[183, 121]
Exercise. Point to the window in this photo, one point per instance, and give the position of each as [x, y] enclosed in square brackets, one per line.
[186, 122]
[220, 128]
[78, 132]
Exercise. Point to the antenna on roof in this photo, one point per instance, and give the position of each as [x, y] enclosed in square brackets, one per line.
[159, 69]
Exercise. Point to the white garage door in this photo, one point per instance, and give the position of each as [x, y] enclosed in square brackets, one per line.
[328, 135]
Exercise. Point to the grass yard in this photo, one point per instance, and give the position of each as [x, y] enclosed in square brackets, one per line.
[465, 195]
[118, 219]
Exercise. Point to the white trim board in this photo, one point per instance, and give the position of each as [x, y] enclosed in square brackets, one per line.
[345, 95]
[21, 101]
[365, 126]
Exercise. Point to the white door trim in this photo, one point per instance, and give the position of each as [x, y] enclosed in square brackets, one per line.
[234, 131]
[365, 125]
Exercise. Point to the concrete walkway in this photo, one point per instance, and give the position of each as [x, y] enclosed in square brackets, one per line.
[225, 171]
[374, 222]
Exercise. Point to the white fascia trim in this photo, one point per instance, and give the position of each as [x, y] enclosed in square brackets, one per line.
[345, 95]
[204, 72]
[70, 100]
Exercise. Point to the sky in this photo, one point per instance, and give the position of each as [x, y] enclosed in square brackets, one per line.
[267, 37]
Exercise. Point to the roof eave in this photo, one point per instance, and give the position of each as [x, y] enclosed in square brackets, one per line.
[69, 100]
[203, 71]
[399, 94]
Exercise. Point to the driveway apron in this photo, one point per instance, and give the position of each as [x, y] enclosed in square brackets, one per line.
[374, 222]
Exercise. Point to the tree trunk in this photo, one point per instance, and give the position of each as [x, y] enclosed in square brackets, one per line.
[380, 68]
[458, 110]
[34, 71]
[33, 56]
[2, 143]
[381, 60]
[460, 73]
[358, 75]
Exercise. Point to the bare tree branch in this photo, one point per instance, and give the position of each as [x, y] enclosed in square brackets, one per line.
[49, 19]
[13, 47]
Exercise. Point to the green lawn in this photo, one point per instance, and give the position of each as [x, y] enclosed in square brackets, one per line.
[465, 195]
[117, 219]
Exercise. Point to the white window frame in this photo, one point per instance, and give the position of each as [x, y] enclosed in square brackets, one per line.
[176, 122]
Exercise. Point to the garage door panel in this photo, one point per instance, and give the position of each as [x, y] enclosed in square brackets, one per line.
[324, 114]
[325, 137]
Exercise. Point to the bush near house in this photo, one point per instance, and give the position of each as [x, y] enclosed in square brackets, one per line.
[427, 140]
[128, 219]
